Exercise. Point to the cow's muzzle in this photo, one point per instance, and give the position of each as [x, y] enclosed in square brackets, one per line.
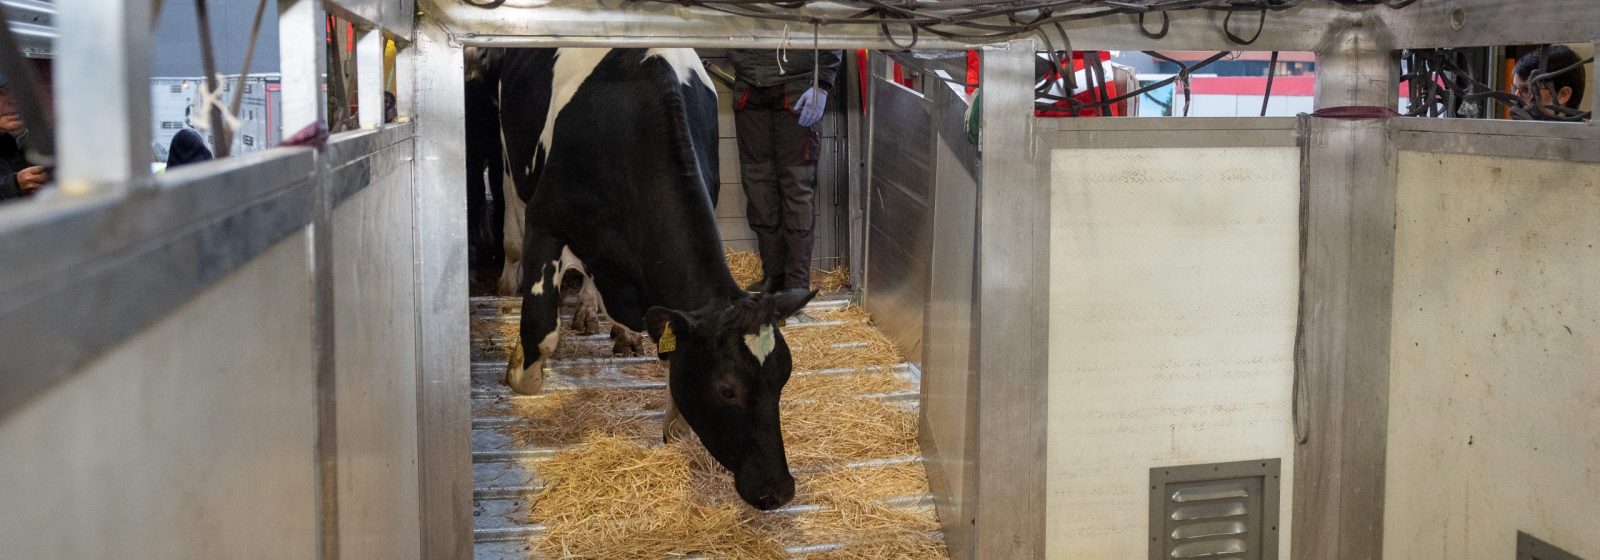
[766, 490]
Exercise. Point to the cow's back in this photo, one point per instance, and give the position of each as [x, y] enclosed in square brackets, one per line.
[616, 152]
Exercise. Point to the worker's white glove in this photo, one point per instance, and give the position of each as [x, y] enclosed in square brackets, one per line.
[810, 106]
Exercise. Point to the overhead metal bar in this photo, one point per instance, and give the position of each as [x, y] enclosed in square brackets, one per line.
[1423, 24]
[635, 23]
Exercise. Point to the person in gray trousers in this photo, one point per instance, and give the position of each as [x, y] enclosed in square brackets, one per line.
[779, 98]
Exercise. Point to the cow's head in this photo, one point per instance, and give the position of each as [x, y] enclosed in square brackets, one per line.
[728, 367]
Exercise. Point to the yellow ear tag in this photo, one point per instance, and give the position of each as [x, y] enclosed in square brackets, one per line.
[668, 342]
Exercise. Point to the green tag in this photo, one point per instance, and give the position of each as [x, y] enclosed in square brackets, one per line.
[668, 342]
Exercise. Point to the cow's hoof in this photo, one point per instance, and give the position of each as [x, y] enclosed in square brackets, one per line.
[625, 342]
[524, 381]
[586, 320]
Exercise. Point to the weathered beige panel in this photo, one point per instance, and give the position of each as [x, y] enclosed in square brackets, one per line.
[1172, 318]
[376, 360]
[194, 440]
[1494, 408]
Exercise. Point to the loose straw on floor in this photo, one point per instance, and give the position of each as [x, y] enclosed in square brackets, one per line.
[618, 493]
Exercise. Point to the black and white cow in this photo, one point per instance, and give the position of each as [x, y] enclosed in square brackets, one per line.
[615, 152]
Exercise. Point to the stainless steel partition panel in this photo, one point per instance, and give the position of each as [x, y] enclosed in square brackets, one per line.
[1010, 326]
[948, 374]
[375, 365]
[193, 439]
[444, 416]
[141, 255]
[899, 225]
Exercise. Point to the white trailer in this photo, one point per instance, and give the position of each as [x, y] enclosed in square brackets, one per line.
[176, 103]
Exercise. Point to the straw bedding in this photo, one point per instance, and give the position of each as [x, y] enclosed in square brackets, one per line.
[746, 269]
[849, 314]
[815, 348]
[618, 493]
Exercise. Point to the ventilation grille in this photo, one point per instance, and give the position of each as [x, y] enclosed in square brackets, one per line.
[1223, 511]
[1531, 548]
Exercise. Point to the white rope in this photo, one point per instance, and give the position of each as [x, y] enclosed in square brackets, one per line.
[209, 99]
[781, 55]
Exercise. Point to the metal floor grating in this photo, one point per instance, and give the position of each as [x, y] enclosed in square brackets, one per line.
[505, 474]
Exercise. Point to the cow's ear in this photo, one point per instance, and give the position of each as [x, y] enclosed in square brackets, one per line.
[788, 302]
[657, 318]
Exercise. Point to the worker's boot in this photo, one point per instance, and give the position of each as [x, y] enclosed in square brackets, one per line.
[772, 245]
[797, 265]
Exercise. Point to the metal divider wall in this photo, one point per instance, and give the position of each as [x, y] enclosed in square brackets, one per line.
[173, 377]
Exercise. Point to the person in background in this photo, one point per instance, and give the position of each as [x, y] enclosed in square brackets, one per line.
[390, 113]
[779, 98]
[187, 147]
[18, 176]
[1565, 90]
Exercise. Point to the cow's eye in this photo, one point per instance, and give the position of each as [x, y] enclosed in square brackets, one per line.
[727, 393]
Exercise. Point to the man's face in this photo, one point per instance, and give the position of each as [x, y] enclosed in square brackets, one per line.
[1524, 89]
[10, 115]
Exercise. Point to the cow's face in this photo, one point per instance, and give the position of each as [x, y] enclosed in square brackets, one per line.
[728, 368]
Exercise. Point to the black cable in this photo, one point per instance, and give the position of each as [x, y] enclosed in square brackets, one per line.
[1097, 80]
[1261, 25]
[1155, 85]
[1272, 70]
[1166, 22]
[1451, 85]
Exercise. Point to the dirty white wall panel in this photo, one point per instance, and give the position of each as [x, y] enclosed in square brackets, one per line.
[1494, 414]
[1172, 319]
[376, 361]
[193, 440]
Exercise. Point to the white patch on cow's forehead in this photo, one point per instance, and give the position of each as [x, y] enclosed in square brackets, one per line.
[761, 344]
[573, 66]
[685, 62]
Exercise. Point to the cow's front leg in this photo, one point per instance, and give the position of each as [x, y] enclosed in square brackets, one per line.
[540, 331]
[673, 427]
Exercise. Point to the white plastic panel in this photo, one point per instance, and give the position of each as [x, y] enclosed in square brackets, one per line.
[1494, 414]
[376, 362]
[1173, 289]
[193, 440]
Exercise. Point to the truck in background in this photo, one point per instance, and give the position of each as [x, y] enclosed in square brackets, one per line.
[177, 104]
